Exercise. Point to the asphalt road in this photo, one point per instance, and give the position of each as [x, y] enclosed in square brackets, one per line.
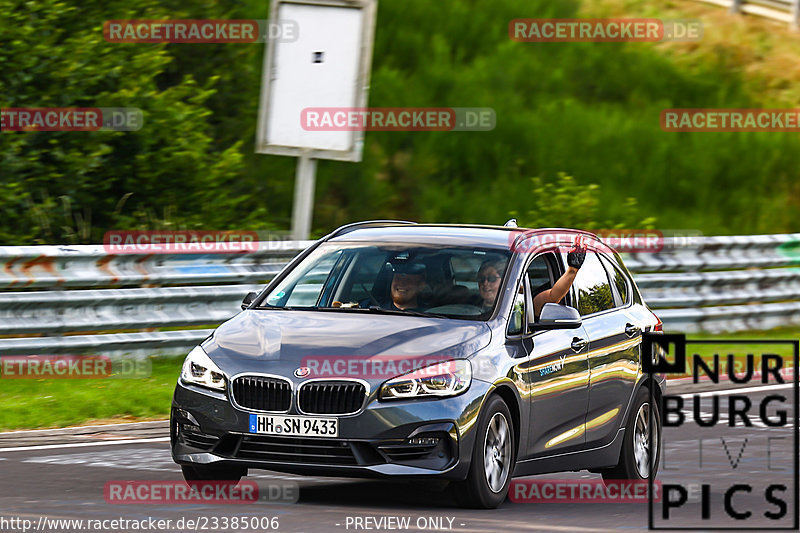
[62, 475]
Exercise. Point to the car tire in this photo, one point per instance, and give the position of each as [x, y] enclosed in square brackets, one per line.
[195, 473]
[634, 457]
[486, 488]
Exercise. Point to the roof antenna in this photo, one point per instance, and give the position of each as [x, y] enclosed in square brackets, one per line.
[511, 223]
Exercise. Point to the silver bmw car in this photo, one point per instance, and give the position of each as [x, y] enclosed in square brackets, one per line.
[467, 353]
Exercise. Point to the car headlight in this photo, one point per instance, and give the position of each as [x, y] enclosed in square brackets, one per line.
[199, 369]
[447, 378]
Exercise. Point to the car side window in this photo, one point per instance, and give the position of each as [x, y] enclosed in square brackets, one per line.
[516, 322]
[306, 291]
[539, 274]
[542, 273]
[592, 287]
[539, 277]
[618, 280]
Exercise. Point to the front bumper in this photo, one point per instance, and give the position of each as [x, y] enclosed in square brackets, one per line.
[206, 428]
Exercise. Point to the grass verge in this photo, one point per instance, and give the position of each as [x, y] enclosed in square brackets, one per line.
[52, 403]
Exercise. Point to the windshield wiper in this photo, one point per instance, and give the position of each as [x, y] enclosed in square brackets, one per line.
[377, 309]
[370, 309]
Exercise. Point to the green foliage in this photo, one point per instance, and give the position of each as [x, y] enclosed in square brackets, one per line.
[594, 299]
[73, 186]
[589, 110]
[586, 110]
[567, 204]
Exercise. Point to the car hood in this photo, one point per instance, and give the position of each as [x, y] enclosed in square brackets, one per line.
[278, 342]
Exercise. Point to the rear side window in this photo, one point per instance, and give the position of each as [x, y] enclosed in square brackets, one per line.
[619, 281]
[592, 287]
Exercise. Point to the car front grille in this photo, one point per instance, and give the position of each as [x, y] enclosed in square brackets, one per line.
[331, 397]
[296, 450]
[262, 393]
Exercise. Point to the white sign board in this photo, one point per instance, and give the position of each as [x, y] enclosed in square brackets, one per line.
[327, 65]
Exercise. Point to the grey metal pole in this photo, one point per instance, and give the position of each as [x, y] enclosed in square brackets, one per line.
[736, 6]
[303, 198]
[796, 14]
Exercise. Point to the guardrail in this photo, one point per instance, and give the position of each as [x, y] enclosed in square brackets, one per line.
[79, 299]
[50, 293]
[780, 10]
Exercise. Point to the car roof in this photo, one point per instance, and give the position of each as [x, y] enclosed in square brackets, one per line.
[388, 231]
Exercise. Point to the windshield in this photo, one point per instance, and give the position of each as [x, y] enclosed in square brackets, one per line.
[458, 282]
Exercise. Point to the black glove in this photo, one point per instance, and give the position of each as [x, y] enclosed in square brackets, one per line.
[576, 256]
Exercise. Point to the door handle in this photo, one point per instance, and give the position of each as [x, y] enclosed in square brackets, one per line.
[578, 344]
[631, 330]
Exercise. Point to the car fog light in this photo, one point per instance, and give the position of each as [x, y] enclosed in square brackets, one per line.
[190, 427]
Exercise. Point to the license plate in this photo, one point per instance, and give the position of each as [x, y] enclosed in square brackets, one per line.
[304, 426]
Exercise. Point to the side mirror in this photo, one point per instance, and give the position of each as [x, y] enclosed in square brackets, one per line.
[555, 316]
[248, 300]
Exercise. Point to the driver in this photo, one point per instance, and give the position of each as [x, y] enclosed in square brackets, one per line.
[407, 284]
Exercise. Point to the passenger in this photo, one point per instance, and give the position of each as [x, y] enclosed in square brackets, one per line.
[490, 274]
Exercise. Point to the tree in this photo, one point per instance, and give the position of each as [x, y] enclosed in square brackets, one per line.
[73, 186]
